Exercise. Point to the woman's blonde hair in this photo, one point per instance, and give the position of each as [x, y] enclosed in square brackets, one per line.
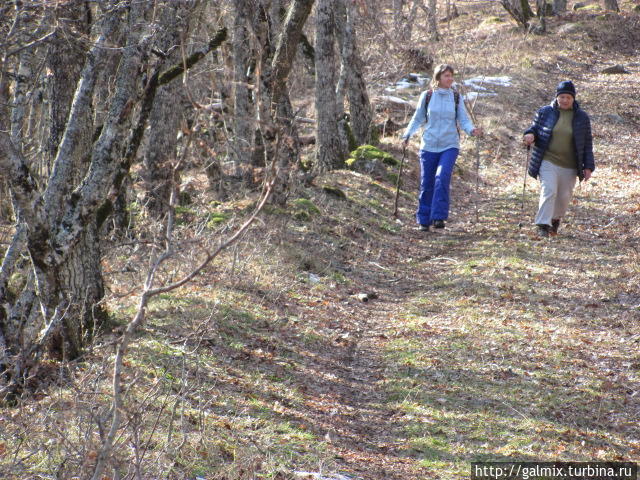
[437, 73]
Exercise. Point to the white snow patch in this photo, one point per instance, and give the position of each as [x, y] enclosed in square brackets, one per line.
[319, 476]
[398, 100]
[473, 95]
[476, 82]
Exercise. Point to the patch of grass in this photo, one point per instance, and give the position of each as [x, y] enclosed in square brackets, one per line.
[217, 218]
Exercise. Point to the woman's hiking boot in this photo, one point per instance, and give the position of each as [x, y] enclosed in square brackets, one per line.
[438, 224]
[555, 223]
[423, 228]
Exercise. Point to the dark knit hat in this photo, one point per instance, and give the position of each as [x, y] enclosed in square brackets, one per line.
[566, 87]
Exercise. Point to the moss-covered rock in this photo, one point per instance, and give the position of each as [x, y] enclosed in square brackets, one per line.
[304, 209]
[369, 153]
[372, 161]
[334, 192]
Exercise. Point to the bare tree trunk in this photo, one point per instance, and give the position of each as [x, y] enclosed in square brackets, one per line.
[244, 128]
[61, 235]
[559, 6]
[398, 20]
[519, 10]
[542, 15]
[611, 5]
[56, 307]
[65, 60]
[329, 149]
[433, 20]
[159, 160]
[360, 110]
[281, 112]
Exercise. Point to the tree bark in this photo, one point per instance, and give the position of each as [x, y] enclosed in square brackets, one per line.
[56, 309]
[159, 160]
[559, 6]
[519, 10]
[360, 112]
[329, 148]
[274, 109]
[244, 128]
[611, 5]
[433, 20]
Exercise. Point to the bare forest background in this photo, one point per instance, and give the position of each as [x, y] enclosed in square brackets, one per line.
[201, 276]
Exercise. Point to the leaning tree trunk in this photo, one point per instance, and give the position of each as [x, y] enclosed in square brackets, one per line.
[62, 219]
[330, 153]
[611, 5]
[519, 10]
[159, 161]
[65, 280]
[276, 114]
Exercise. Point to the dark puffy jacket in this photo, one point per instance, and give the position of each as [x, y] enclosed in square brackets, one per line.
[542, 128]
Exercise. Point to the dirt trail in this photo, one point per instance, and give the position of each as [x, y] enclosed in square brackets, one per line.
[501, 315]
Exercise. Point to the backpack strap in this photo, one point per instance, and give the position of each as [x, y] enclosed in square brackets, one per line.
[456, 99]
[427, 99]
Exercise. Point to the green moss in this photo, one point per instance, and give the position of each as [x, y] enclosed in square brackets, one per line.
[589, 7]
[184, 215]
[17, 282]
[304, 209]
[217, 218]
[492, 20]
[369, 152]
[274, 210]
[334, 192]
[393, 178]
[351, 139]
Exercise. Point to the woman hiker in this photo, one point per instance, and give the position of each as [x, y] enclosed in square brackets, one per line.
[563, 150]
[440, 108]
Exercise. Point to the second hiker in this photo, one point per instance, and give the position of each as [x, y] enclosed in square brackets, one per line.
[440, 109]
[562, 152]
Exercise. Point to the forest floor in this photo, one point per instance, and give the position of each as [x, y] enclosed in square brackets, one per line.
[480, 342]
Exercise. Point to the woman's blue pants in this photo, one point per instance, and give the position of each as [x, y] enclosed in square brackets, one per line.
[435, 176]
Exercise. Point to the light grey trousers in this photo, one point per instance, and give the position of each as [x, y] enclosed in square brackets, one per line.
[555, 193]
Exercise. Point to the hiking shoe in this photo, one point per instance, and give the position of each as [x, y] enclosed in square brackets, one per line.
[543, 231]
[423, 228]
[438, 224]
[555, 223]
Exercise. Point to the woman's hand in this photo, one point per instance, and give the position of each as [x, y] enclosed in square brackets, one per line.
[477, 132]
[528, 139]
[587, 174]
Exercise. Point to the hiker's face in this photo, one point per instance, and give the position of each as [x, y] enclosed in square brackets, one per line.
[565, 101]
[446, 79]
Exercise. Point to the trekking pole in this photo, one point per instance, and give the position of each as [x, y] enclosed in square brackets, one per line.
[471, 109]
[395, 204]
[477, 180]
[524, 186]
